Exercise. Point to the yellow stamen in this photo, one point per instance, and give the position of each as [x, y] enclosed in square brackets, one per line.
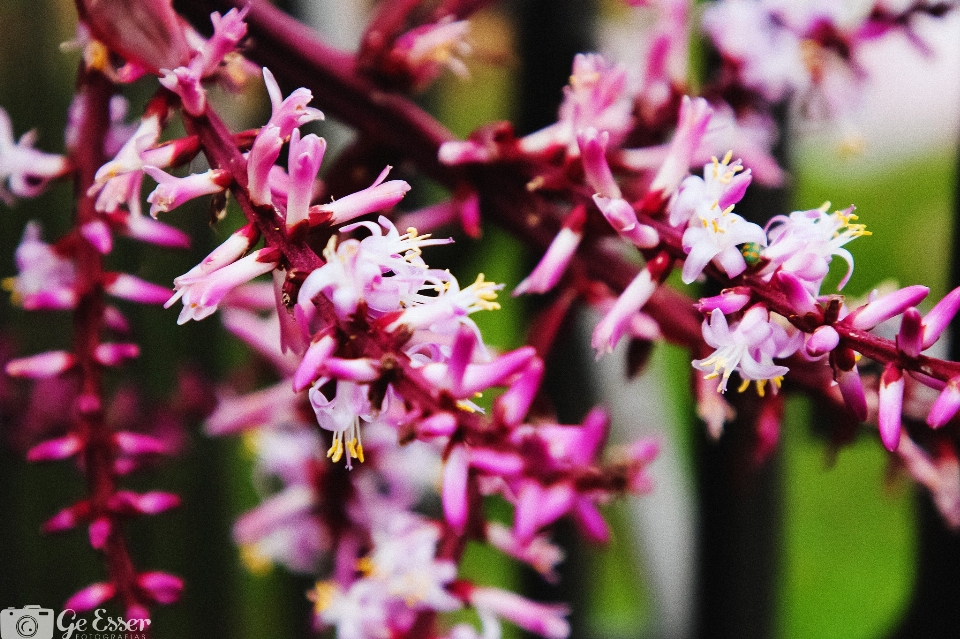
[254, 560]
[335, 453]
[743, 385]
[322, 595]
[365, 566]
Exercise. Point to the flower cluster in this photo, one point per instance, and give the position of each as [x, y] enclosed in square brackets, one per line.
[393, 423]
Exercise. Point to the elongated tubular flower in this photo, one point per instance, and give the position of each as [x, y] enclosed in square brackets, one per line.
[545, 620]
[378, 196]
[264, 152]
[173, 191]
[24, 171]
[554, 262]
[185, 82]
[228, 30]
[202, 293]
[305, 156]
[611, 328]
[890, 406]
[290, 112]
[691, 125]
[618, 212]
[118, 181]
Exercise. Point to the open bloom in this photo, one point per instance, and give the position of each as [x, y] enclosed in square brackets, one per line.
[202, 293]
[805, 242]
[748, 347]
[714, 234]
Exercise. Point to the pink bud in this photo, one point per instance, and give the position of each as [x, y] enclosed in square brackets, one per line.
[313, 360]
[185, 82]
[940, 317]
[947, 404]
[56, 449]
[496, 462]
[910, 337]
[511, 407]
[361, 370]
[378, 196]
[114, 354]
[42, 365]
[882, 309]
[139, 444]
[149, 503]
[730, 300]
[134, 289]
[90, 597]
[822, 341]
[545, 620]
[115, 320]
[437, 425]
[611, 328]
[590, 522]
[852, 390]
[538, 506]
[98, 234]
[479, 377]
[797, 294]
[454, 495]
[891, 405]
[162, 587]
[172, 191]
[593, 152]
[99, 531]
[305, 156]
[263, 154]
[67, 518]
[554, 262]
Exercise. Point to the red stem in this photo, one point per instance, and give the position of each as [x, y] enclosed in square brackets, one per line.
[99, 452]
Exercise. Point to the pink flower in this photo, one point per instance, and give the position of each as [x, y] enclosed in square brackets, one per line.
[595, 97]
[24, 171]
[748, 347]
[379, 196]
[202, 293]
[430, 48]
[805, 242]
[305, 156]
[173, 191]
[290, 112]
[46, 278]
[713, 235]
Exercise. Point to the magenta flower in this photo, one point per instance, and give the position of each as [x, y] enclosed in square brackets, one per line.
[379, 196]
[291, 112]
